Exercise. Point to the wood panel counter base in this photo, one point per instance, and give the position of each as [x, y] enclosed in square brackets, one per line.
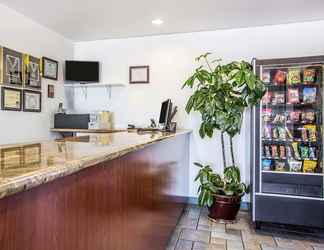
[130, 203]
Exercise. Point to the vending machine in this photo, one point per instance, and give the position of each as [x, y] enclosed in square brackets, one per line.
[287, 150]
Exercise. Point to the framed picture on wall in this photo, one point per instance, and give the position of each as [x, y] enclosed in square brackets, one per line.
[12, 67]
[49, 68]
[50, 91]
[139, 74]
[11, 99]
[32, 101]
[32, 76]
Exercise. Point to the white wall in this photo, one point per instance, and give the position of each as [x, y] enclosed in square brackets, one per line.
[22, 34]
[171, 58]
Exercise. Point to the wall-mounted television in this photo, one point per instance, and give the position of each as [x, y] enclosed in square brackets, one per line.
[82, 71]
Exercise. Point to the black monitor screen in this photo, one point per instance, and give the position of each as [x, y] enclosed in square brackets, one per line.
[165, 110]
[82, 71]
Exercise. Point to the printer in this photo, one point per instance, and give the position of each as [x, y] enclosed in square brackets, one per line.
[71, 121]
[97, 120]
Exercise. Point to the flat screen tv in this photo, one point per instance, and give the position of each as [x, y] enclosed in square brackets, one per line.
[82, 71]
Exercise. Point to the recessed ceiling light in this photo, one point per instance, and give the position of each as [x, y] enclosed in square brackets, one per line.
[157, 21]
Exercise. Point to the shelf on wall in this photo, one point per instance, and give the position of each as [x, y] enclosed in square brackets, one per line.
[85, 87]
[94, 85]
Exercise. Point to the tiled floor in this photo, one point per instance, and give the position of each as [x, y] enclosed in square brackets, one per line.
[195, 232]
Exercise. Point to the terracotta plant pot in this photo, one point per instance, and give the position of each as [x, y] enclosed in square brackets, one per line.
[225, 208]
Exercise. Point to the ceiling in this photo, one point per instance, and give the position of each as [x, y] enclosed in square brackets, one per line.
[83, 20]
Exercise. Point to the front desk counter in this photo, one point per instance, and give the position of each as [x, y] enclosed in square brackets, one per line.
[118, 191]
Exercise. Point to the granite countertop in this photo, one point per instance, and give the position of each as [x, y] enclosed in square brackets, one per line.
[24, 166]
[72, 130]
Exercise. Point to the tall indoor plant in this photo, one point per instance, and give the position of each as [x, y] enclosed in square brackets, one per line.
[221, 94]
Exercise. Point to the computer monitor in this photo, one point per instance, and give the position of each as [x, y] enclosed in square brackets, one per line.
[166, 109]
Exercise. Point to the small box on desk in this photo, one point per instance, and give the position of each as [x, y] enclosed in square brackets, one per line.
[72, 121]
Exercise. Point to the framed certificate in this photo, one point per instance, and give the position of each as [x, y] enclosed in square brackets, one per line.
[11, 99]
[49, 68]
[32, 77]
[12, 67]
[139, 74]
[32, 101]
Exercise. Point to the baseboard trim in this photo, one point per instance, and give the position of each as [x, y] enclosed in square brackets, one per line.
[245, 206]
[193, 200]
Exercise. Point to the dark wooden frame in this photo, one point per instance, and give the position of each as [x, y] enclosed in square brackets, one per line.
[49, 94]
[131, 68]
[25, 66]
[24, 98]
[3, 99]
[43, 67]
[6, 51]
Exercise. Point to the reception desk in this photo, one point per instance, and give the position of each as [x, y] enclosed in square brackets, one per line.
[114, 191]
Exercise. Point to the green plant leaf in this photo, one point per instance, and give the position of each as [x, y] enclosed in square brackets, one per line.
[190, 81]
[190, 103]
[202, 130]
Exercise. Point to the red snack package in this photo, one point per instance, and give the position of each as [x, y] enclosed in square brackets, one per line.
[294, 116]
[293, 95]
[266, 99]
[280, 77]
[274, 151]
[282, 151]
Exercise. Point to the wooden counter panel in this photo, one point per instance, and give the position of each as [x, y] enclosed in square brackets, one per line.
[130, 203]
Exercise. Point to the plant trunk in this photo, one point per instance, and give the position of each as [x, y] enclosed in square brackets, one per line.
[223, 149]
[232, 150]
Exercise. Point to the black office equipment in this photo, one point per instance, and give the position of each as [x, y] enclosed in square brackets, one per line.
[131, 126]
[82, 71]
[165, 120]
[72, 121]
[166, 109]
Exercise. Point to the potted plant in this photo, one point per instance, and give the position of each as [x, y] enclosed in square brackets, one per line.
[221, 94]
